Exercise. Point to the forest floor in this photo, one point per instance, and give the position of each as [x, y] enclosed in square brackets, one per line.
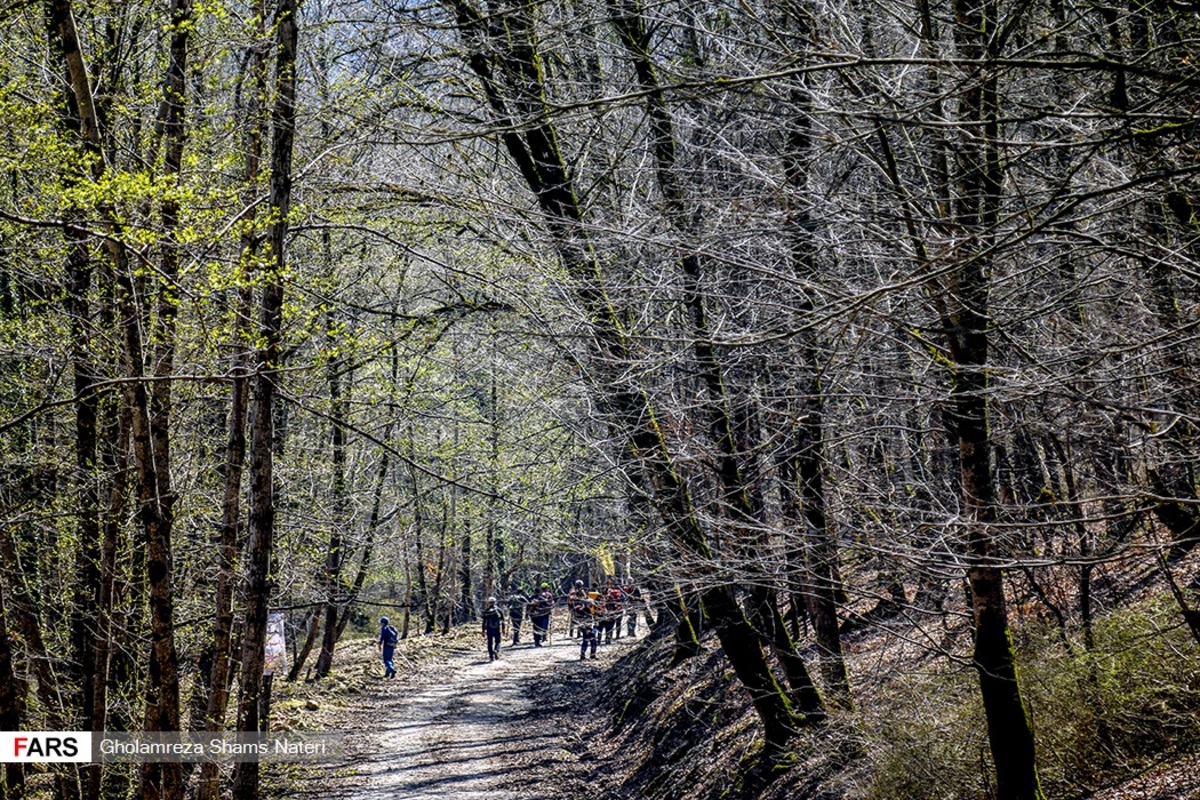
[451, 724]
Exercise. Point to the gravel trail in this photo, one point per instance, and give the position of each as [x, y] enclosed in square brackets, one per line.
[473, 729]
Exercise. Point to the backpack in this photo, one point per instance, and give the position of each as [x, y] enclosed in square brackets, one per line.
[615, 600]
[390, 636]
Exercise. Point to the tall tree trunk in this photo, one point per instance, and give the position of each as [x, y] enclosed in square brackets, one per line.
[154, 462]
[230, 526]
[84, 120]
[804, 446]
[331, 576]
[77, 307]
[262, 501]
[339, 408]
[92, 601]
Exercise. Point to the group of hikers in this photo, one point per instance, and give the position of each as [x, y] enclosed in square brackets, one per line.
[594, 615]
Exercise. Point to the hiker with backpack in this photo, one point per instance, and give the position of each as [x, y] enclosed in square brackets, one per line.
[493, 627]
[589, 625]
[388, 636]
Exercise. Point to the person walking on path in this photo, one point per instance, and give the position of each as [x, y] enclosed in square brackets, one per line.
[613, 602]
[577, 612]
[388, 636]
[493, 627]
[516, 612]
[540, 609]
[589, 626]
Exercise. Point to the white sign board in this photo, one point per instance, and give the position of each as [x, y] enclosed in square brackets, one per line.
[275, 657]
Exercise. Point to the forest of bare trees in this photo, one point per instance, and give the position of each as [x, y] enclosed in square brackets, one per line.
[810, 317]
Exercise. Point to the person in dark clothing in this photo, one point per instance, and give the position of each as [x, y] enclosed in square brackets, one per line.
[516, 612]
[588, 623]
[388, 636]
[493, 627]
[540, 608]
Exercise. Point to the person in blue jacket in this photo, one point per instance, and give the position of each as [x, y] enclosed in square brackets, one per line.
[388, 636]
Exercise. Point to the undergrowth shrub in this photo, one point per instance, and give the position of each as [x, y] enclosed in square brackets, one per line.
[1102, 715]
[925, 736]
[1098, 717]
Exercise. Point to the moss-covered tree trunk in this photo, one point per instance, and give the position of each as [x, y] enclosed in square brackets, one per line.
[976, 212]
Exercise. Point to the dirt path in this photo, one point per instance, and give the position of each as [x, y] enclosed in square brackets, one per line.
[474, 729]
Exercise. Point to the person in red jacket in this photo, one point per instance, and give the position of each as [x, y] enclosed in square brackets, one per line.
[614, 607]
